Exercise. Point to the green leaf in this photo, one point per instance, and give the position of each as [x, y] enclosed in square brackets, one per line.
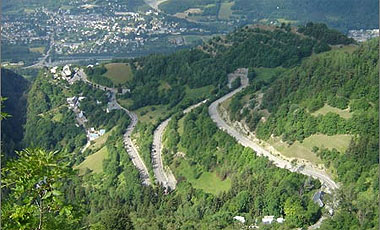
[47, 195]
[57, 193]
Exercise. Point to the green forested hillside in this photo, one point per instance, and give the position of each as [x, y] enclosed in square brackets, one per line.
[48, 113]
[345, 81]
[13, 87]
[162, 79]
[292, 75]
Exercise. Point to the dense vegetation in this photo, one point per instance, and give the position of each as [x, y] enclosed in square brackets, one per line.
[323, 33]
[13, 87]
[33, 186]
[53, 134]
[48, 113]
[275, 191]
[96, 75]
[16, 53]
[162, 79]
[343, 80]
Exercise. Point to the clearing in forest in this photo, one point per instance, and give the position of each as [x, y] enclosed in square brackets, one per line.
[94, 161]
[118, 73]
[207, 181]
[326, 109]
[304, 150]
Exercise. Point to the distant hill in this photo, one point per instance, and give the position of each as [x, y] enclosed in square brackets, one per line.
[338, 14]
[13, 87]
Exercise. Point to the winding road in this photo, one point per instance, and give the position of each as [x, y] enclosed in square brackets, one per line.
[164, 175]
[243, 140]
[307, 170]
[128, 143]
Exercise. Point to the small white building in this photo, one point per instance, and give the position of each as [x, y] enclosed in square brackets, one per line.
[81, 115]
[241, 219]
[280, 220]
[102, 132]
[93, 136]
[268, 219]
[54, 70]
[66, 70]
[72, 101]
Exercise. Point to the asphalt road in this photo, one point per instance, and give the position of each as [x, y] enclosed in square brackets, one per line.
[128, 143]
[132, 150]
[243, 140]
[164, 176]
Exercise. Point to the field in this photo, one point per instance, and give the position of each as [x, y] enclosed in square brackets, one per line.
[118, 73]
[283, 20]
[202, 92]
[57, 117]
[195, 39]
[181, 125]
[265, 74]
[40, 50]
[326, 109]
[151, 113]
[94, 161]
[347, 48]
[225, 11]
[125, 102]
[303, 150]
[207, 181]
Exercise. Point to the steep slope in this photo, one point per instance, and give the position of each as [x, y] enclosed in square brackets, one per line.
[14, 87]
[348, 83]
[162, 79]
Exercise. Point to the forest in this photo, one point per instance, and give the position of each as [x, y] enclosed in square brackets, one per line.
[162, 78]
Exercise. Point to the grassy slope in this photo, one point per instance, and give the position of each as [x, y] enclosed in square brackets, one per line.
[326, 109]
[304, 150]
[94, 161]
[207, 181]
[118, 73]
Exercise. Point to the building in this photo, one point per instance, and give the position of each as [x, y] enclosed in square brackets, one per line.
[54, 70]
[241, 219]
[280, 220]
[93, 134]
[72, 101]
[66, 72]
[268, 219]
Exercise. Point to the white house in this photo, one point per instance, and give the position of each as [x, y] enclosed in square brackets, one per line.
[66, 70]
[268, 219]
[241, 219]
[54, 70]
[280, 220]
